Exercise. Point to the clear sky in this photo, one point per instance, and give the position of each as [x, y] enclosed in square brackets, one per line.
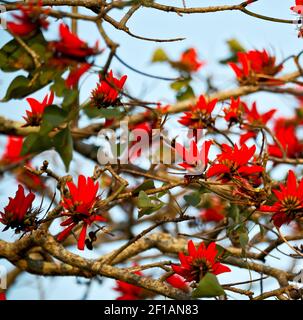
[207, 33]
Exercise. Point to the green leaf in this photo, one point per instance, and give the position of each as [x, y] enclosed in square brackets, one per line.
[14, 57]
[262, 230]
[234, 212]
[193, 199]
[35, 142]
[45, 77]
[53, 117]
[208, 287]
[148, 211]
[91, 111]
[10, 47]
[178, 85]
[159, 56]
[63, 143]
[243, 239]
[29, 143]
[144, 201]
[22, 86]
[147, 184]
[108, 113]
[70, 98]
[58, 86]
[185, 94]
[17, 88]
[234, 47]
[222, 252]
[112, 113]
[147, 205]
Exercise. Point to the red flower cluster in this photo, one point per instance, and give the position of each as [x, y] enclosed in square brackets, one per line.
[71, 51]
[234, 112]
[256, 66]
[80, 206]
[12, 150]
[189, 61]
[18, 214]
[290, 201]
[199, 116]
[286, 135]
[178, 282]
[107, 92]
[298, 8]
[34, 117]
[132, 292]
[136, 149]
[254, 118]
[31, 18]
[234, 163]
[129, 291]
[199, 262]
[194, 159]
[76, 73]
[12, 154]
[70, 45]
[214, 211]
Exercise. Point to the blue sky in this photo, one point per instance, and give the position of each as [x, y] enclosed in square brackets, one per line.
[207, 33]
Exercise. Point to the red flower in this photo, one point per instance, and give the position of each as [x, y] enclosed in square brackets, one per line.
[76, 73]
[199, 116]
[214, 211]
[298, 8]
[189, 61]
[79, 206]
[129, 291]
[71, 46]
[146, 126]
[256, 66]
[34, 117]
[163, 109]
[290, 201]
[30, 19]
[254, 118]
[2, 296]
[12, 150]
[233, 162]
[12, 154]
[77, 69]
[289, 141]
[71, 52]
[199, 262]
[107, 92]
[194, 159]
[235, 110]
[139, 131]
[178, 282]
[18, 213]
